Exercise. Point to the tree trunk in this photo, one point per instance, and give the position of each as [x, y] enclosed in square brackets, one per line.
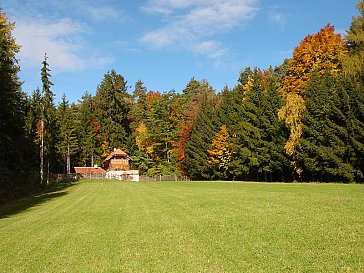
[48, 172]
[41, 151]
[92, 159]
[68, 159]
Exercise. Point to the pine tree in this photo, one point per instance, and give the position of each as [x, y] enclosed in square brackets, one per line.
[88, 131]
[189, 104]
[196, 161]
[14, 147]
[257, 137]
[47, 125]
[354, 113]
[325, 145]
[67, 140]
[354, 63]
[112, 107]
[161, 130]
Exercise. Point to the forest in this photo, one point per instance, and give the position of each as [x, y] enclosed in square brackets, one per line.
[300, 121]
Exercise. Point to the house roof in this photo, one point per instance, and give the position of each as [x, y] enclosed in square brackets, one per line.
[92, 170]
[116, 152]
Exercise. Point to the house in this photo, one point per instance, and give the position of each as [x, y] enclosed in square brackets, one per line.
[89, 171]
[116, 166]
[117, 160]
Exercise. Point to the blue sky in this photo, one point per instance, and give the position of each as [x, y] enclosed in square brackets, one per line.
[162, 42]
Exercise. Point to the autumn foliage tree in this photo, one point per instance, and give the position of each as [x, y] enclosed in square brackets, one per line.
[193, 96]
[320, 53]
[221, 154]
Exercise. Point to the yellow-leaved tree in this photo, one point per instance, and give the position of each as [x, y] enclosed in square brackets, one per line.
[143, 139]
[321, 53]
[220, 154]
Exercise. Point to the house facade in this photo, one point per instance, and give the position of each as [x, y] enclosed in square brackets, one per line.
[116, 166]
[118, 160]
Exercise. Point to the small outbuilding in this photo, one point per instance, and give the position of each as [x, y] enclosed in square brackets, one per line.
[89, 171]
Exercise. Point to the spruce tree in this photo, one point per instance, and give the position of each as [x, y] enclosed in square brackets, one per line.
[189, 106]
[88, 131]
[354, 62]
[196, 161]
[112, 107]
[48, 129]
[13, 145]
[67, 144]
[257, 137]
[324, 149]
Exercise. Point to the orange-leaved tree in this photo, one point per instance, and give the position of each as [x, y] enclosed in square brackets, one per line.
[320, 53]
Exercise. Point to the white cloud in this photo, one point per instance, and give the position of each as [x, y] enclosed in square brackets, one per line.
[168, 6]
[191, 25]
[101, 13]
[42, 28]
[212, 49]
[276, 18]
[62, 41]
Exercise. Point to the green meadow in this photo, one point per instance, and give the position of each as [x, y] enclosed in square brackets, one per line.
[112, 226]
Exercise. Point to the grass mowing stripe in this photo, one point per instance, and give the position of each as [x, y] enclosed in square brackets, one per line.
[103, 226]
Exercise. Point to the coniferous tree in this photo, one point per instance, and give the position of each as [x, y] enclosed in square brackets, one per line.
[190, 106]
[67, 140]
[257, 137]
[139, 109]
[196, 161]
[88, 131]
[112, 106]
[161, 131]
[47, 126]
[354, 112]
[321, 53]
[13, 145]
[354, 38]
[325, 146]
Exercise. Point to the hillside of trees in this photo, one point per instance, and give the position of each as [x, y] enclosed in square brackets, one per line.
[300, 121]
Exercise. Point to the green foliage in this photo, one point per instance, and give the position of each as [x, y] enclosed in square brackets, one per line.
[14, 146]
[354, 63]
[189, 106]
[48, 126]
[325, 143]
[257, 137]
[139, 107]
[88, 132]
[112, 106]
[67, 125]
[196, 160]
[321, 53]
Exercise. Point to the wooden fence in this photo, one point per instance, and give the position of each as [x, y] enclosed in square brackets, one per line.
[61, 176]
[163, 178]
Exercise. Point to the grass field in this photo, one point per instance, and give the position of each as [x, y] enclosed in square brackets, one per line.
[110, 226]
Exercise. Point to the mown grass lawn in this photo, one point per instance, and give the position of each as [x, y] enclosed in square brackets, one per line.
[111, 226]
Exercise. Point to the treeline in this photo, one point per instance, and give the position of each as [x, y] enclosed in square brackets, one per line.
[302, 120]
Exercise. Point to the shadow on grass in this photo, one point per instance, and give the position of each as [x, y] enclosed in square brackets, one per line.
[20, 205]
